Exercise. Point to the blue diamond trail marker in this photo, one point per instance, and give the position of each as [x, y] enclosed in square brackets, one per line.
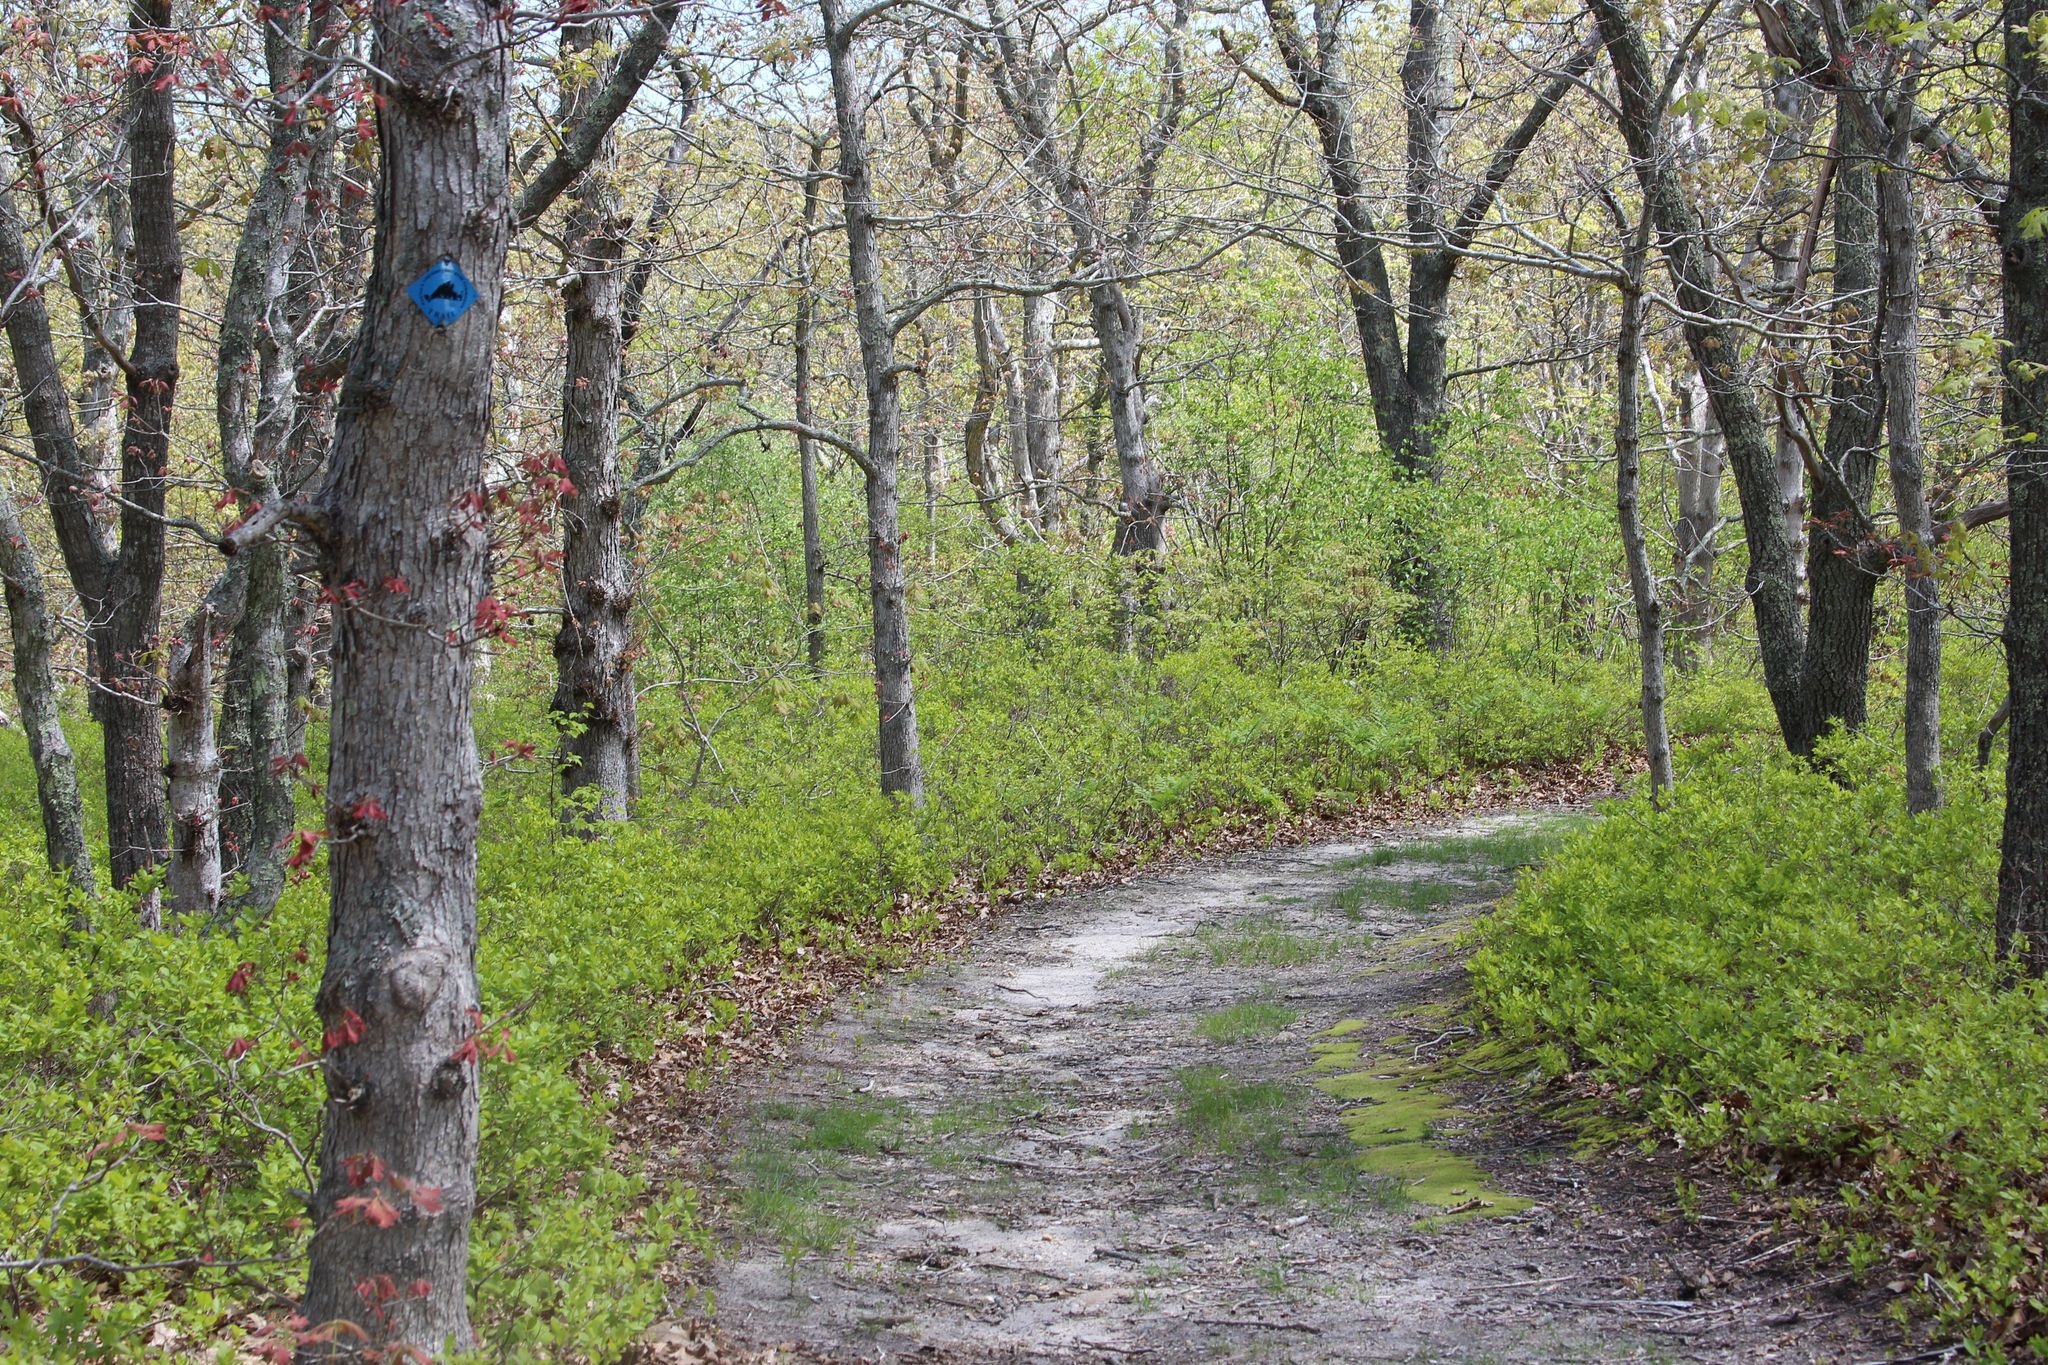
[442, 292]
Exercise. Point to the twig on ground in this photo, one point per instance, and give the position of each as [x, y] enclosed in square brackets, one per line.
[1257, 1322]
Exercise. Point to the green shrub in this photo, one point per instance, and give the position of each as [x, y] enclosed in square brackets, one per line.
[1791, 965]
[759, 825]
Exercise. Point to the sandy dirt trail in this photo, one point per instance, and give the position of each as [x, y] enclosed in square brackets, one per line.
[1191, 1118]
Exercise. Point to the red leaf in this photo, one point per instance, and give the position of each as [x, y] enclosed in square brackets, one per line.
[304, 842]
[347, 1033]
[240, 1048]
[362, 1168]
[373, 1208]
[238, 980]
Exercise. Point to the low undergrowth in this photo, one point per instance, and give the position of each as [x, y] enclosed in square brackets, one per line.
[162, 1097]
[1789, 970]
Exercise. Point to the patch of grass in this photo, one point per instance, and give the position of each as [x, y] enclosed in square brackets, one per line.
[1259, 1123]
[1263, 943]
[1244, 1020]
[958, 1133]
[1323, 1171]
[1232, 1116]
[1496, 851]
[782, 1197]
[986, 1114]
[1417, 897]
[855, 1127]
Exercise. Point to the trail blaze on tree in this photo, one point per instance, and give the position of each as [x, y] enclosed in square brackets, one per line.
[410, 383]
[400, 988]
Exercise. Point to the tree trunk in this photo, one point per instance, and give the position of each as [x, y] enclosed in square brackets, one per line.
[1792, 107]
[33, 631]
[982, 474]
[902, 769]
[997, 356]
[257, 413]
[1408, 379]
[1699, 457]
[595, 700]
[1906, 452]
[806, 415]
[193, 762]
[1628, 458]
[1773, 584]
[1878, 98]
[1141, 519]
[1844, 564]
[1042, 404]
[1141, 527]
[402, 507]
[1091, 453]
[2023, 867]
[1418, 568]
[1027, 85]
[137, 820]
[257, 732]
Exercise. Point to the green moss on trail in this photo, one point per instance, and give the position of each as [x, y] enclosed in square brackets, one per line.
[1397, 1110]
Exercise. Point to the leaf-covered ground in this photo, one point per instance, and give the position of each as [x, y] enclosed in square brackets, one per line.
[1227, 1111]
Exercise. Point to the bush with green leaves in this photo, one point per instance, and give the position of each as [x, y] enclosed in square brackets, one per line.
[170, 1077]
[1784, 965]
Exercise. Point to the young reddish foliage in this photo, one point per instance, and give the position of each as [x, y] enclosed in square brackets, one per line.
[346, 1033]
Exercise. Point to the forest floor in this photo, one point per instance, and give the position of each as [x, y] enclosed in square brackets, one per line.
[1225, 1111]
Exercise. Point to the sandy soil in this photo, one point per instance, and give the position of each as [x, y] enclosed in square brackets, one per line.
[1202, 1116]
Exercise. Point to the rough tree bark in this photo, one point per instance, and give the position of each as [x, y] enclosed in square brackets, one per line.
[1899, 235]
[902, 768]
[256, 408]
[1628, 463]
[401, 513]
[1845, 560]
[33, 633]
[992, 346]
[2023, 865]
[1041, 365]
[1699, 458]
[192, 761]
[137, 819]
[1843, 568]
[595, 702]
[119, 580]
[801, 342]
[982, 474]
[1791, 108]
